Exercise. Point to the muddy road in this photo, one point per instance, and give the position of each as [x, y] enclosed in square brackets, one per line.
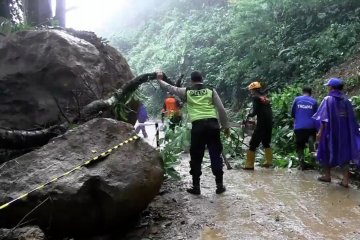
[264, 204]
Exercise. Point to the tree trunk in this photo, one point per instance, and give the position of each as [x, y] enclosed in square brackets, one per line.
[5, 9]
[61, 12]
[37, 12]
[21, 139]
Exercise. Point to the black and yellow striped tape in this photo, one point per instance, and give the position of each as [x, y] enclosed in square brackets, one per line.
[102, 155]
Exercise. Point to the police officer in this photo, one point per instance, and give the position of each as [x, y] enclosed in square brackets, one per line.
[204, 110]
[263, 130]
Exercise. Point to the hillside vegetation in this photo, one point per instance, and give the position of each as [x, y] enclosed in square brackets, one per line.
[278, 41]
[286, 44]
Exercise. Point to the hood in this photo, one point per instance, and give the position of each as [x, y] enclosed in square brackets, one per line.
[337, 94]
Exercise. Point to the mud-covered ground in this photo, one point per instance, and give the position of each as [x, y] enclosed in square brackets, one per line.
[264, 204]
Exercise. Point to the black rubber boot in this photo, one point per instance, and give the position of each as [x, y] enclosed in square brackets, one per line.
[195, 189]
[301, 158]
[220, 188]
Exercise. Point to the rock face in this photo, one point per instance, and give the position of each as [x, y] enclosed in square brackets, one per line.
[104, 196]
[25, 233]
[43, 71]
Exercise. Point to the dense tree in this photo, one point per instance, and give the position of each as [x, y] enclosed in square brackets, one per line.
[277, 41]
[5, 8]
[37, 12]
[60, 12]
[11, 10]
[33, 12]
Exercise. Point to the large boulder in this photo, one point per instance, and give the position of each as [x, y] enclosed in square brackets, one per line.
[46, 74]
[105, 195]
[25, 233]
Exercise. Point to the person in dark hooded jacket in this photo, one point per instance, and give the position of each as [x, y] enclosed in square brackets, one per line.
[263, 130]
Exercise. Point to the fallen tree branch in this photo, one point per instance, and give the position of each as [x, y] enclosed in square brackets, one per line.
[20, 139]
[103, 105]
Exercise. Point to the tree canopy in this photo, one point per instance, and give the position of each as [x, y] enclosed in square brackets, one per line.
[236, 42]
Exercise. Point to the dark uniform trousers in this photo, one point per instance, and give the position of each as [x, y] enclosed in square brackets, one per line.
[262, 134]
[206, 132]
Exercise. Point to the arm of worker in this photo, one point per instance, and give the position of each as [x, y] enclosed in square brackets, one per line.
[164, 108]
[320, 132]
[181, 92]
[224, 121]
[293, 108]
[254, 111]
[316, 106]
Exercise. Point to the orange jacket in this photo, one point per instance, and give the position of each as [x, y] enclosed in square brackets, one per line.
[171, 107]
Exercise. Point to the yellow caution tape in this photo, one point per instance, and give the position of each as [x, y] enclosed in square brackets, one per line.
[102, 155]
[4, 206]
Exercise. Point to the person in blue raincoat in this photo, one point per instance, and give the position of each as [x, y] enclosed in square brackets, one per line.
[339, 135]
[142, 118]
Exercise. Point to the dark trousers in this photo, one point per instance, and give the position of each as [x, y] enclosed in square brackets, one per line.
[206, 133]
[302, 136]
[262, 134]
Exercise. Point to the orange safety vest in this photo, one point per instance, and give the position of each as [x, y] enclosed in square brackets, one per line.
[171, 107]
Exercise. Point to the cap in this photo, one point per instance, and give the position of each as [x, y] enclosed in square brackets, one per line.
[334, 82]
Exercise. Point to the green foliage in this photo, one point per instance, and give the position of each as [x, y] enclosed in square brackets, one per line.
[235, 145]
[172, 146]
[279, 41]
[283, 161]
[285, 43]
[283, 133]
[21, 27]
[290, 160]
[73, 125]
[283, 139]
[7, 26]
[352, 83]
[121, 106]
[310, 159]
[154, 100]
[355, 100]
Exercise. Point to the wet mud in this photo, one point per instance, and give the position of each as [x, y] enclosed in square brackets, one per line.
[260, 204]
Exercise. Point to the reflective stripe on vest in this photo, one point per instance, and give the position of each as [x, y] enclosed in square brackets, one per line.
[200, 104]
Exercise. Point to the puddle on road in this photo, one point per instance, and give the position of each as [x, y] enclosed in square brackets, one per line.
[211, 234]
